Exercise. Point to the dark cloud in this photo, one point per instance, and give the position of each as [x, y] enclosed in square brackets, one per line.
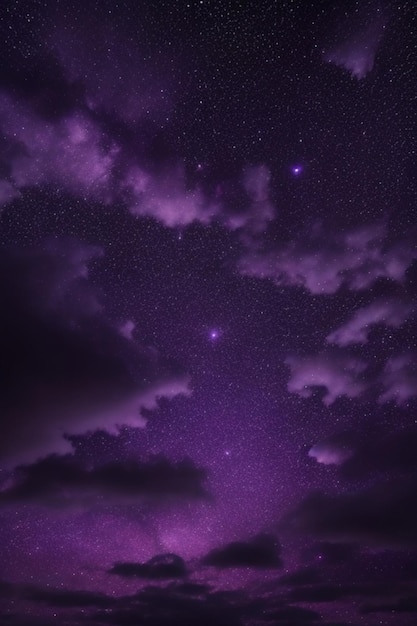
[323, 263]
[403, 605]
[130, 84]
[306, 576]
[318, 593]
[16, 619]
[160, 567]
[170, 606]
[66, 369]
[263, 551]
[293, 615]
[65, 598]
[382, 515]
[332, 592]
[66, 482]
[383, 453]
[332, 553]
[177, 604]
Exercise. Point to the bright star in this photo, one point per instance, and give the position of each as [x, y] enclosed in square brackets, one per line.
[296, 170]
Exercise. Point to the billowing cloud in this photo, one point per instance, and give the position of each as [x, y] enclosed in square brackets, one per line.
[392, 313]
[66, 369]
[70, 152]
[66, 482]
[323, 262]
[90, 130]
[167, 197]
[263, 551]
[399, 379]
[78, 153]
[338, 374]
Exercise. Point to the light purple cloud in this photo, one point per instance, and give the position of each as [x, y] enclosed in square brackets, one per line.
[69, 152]
[167, 198]
[332, 451]
[338, 374]
[324, 262]
[259, 209]
[76, 154]
[356, 53]
[399, 379]
[391, 313]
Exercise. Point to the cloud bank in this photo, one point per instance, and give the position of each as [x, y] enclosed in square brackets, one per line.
[66, 368]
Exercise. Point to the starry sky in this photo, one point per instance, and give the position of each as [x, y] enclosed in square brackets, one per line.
[208, 371]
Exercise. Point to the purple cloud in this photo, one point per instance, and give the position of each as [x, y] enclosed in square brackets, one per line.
[322, 263]
[338, 374]
[167, 197]
[357, 52]
[69, 152]
[69, 369]
[79, 155]
[391, 313]
[258, 209]
[399, 379]
[332, 451]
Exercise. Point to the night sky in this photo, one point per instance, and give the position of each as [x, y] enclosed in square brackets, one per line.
[208, 358]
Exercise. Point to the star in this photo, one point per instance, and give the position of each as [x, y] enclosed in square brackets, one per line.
[297, 170]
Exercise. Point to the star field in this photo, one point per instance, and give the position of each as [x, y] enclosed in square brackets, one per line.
[208, 378]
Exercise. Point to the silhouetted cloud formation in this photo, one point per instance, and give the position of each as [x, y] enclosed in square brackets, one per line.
[66, 368]
[263, 551]
[66, 482]
[384, 515]
[160, 567]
